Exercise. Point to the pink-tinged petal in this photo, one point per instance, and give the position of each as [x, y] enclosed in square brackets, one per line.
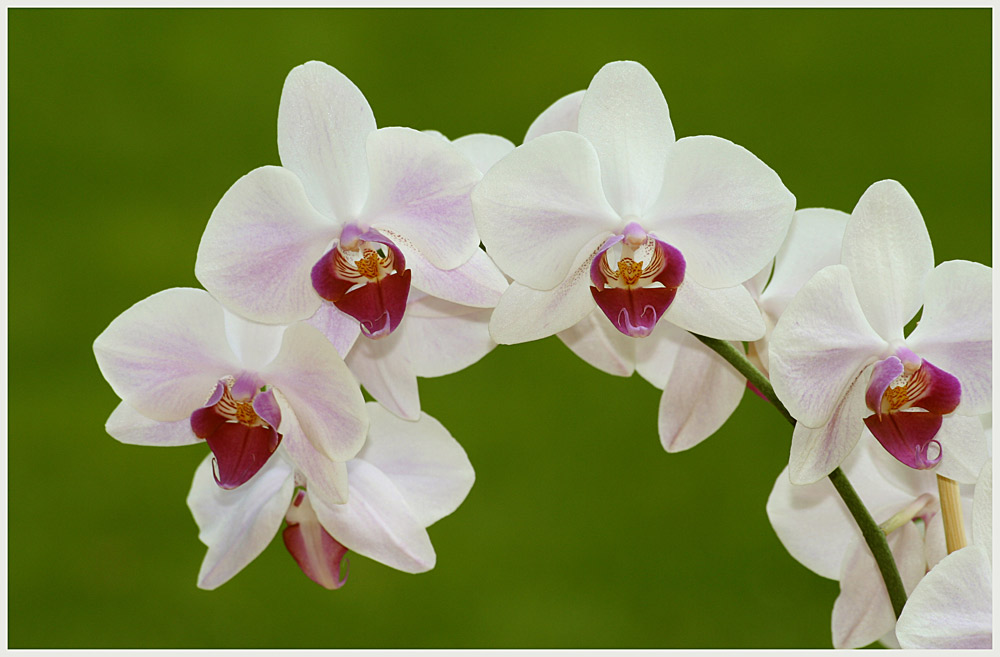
[963, 448]
[377, 523]
[340, 329]
[422, 460]
[884, 372]
[378, 306]
[813, 242]
[318, 554]
[863, 612]
[327, 479]
[164, 355]
[537, 207]
[524, 314]
[321, 391]
[383, 367]
[483, 150]
[702, 392]
[560, 115]
[260, 245]
[597, 341]
[131, 427]
[634, 312]
[624, 115]
[816, 452]
[420, 189]
[819, 345]
[255, 344]
[956, 329]
[756, 284]
[323, 122]
[952, 607]
[478, 283]
[725, 210]
[888, 252]
[237, 525]
[909, 436]
[444, 337]
[266, 406]
[728, 313]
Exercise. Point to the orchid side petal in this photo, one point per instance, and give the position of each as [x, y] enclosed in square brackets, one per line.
[478, 282]
[483, 150]
[728, 313]
[560, 115]
[963, 448]
[384, 368]
[599, 343]
[444, 337]
[131, 427]
[338, 327]
[327, 479]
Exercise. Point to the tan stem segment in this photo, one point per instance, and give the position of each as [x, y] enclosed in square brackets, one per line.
[951, 513]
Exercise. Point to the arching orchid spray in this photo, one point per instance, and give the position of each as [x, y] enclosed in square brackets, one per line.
[358, 262]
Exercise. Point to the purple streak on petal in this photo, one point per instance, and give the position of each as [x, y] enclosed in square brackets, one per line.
[634, 312]
[325, 282]
[908, 436]
[246, 386]
[595, 264]
[318, 554]
[240, 451]
[943, 393]
[350, 234]
[908, 357]
[378, 306]
[634, 233]
[884, 373]
[266, 406]
[673, 272]
[220, 388]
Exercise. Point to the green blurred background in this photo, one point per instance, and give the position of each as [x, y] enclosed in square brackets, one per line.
[127, 126]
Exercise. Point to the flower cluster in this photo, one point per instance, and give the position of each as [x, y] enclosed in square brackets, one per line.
[373, 256]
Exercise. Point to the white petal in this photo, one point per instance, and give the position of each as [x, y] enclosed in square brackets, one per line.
[701, 394]
[327, 478]
[340, 329]
[164, 355]
[963, 448]
[477, 283]
[560, 115]
[813, 242]
[599, 343]
[725, 210]
[377, 523]
[321, 390]
[952, 607]
[421, 459]
[524, 314]
[255, 344]
[383, 366]
[259, 247]
[656, 354]
[982, 509]
[888, 251]
[444, 337]
[483, 150]
[539, 205]
[863, 612]
[323, 122]
[955, 331]
[728, 313]
[625, 117]
[816, 452]
[131, 427]
[237, 524]
[819, 346]
[420, 189]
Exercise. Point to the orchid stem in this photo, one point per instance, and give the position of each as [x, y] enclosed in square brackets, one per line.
[873, 535]
[951, 513]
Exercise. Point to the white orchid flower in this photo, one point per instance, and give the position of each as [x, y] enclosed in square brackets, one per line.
[353, 216]
[408, 476]
[187, 370]
[609, 211]
[817, 529]
[952, 607]
[839, 360]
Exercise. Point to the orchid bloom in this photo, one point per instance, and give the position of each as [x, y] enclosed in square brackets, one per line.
[187, 370]
[952, 607]
[353, 217]
[446, 323]
[408, 476]
[816, 528]
[602, 208]
[840, 362]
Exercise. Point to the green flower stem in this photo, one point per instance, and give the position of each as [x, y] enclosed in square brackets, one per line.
[874, 537]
